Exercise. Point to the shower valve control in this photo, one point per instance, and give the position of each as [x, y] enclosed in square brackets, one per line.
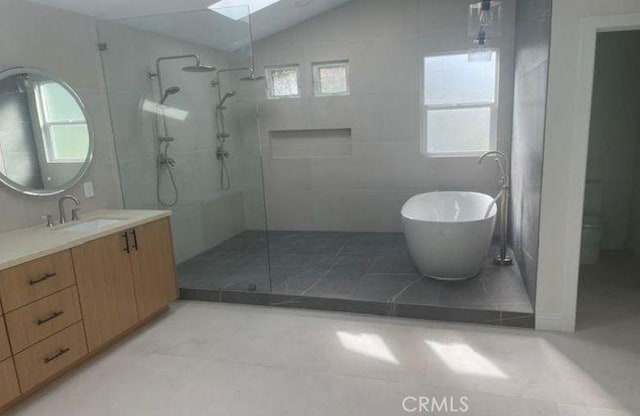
[221, 153]
[166, 160]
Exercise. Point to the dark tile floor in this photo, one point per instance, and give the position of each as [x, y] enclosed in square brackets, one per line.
[360, 272]
[608, 291]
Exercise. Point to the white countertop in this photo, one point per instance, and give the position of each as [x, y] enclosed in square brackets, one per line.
[20, 246]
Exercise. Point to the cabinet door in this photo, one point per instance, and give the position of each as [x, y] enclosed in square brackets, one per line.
[105, 286]
[153, 267]
[8, 382]
[5, 351]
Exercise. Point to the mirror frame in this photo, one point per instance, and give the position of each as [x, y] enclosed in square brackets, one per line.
[87, 163]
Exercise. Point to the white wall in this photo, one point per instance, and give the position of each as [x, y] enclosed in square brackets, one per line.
[555, 303]
[64, 44]
[385, 42]
[614, 131]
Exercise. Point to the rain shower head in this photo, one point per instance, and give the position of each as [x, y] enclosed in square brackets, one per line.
[253, 77]
[169, 91]
[199, 68]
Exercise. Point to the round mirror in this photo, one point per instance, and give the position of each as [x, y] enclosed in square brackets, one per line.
[46, 139]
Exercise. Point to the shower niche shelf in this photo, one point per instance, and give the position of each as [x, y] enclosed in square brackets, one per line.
[310, 143]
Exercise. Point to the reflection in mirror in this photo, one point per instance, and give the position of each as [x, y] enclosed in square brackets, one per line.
[46, 142]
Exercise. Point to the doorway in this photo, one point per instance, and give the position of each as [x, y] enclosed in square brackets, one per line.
[609, 277]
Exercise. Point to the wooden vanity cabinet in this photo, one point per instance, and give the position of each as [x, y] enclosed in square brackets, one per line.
[35, 280]
[56, 310]
[9, 389]
[5, 351]
[124, 278]
[105, 286]
[153, 267]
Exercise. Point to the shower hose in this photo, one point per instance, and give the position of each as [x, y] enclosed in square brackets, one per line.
[165, 161]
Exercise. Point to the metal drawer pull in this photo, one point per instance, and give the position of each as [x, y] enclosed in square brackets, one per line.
[60, 352]
[126, 242]
[54, 315]
[41, 279]
[135, 239]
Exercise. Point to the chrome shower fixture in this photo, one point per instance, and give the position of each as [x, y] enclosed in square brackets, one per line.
[169, 91]
[224, 98]
[165, 161]
[502, 160]
[198, 67]
[253, 77]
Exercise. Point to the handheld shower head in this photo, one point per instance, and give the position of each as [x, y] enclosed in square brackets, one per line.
[169, 91]
[225, 97]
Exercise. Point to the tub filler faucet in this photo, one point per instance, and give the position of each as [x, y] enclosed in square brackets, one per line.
[503, 196]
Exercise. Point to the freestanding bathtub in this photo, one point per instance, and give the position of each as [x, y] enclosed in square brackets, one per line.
[447, 233]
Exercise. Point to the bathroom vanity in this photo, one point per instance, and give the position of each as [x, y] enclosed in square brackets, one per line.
[68, 292]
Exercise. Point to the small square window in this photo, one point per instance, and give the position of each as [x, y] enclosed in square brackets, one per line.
[331, 78]
[283, 81]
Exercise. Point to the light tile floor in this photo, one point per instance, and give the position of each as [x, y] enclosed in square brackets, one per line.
[229, 359]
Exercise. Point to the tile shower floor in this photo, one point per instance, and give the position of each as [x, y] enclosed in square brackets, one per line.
[357, 272]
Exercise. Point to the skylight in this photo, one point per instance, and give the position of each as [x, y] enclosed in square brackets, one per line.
[237, 9]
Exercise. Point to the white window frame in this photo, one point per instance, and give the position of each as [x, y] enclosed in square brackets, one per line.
[269, 71]
[46, 125]
[317, 87]
[493, 106]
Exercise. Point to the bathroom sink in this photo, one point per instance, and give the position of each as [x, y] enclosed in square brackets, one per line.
[93, 225]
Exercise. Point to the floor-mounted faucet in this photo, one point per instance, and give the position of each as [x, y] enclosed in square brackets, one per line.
[502, 160]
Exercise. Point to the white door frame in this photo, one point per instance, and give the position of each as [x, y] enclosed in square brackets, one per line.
[577, 158]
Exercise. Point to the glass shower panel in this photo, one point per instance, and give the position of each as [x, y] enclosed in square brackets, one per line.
[182, 96]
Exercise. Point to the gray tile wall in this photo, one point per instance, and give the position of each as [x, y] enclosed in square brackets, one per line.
[385, 43]
[533, 30]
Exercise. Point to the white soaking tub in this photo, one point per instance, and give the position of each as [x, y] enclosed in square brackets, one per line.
[449, 233]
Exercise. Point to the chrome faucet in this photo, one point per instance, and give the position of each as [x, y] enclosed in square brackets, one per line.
[505, 190]
[74, 211]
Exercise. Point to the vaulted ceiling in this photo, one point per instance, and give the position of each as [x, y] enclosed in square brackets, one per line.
[265, 22]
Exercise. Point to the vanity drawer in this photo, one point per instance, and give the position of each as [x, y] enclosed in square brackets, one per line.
[9, 389]
[5, 352]
[38, 320]
[47, 358]
[36, 279]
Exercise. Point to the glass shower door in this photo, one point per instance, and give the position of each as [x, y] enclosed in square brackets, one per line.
[182, 96]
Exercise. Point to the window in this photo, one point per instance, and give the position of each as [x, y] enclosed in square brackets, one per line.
[331, 78]
[460, 104]
[283, 81]
[240, 9]
[64, 128]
